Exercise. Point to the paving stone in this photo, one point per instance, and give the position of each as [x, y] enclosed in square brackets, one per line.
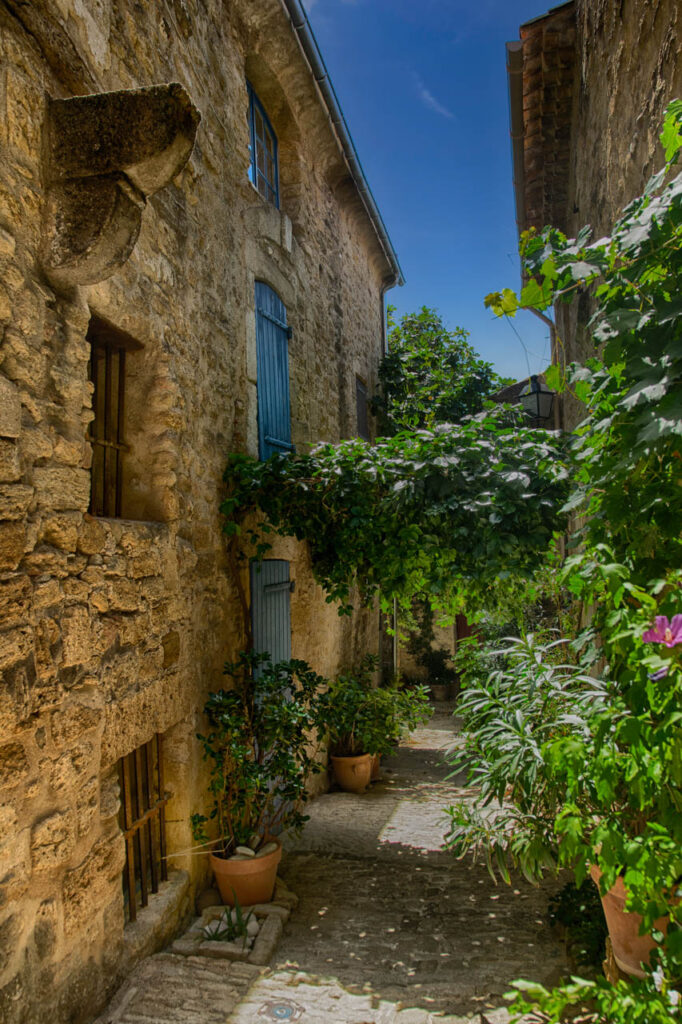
[386, 927]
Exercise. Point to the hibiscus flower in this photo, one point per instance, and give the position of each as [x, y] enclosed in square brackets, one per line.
[664, 632]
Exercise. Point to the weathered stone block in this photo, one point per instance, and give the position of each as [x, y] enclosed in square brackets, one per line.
[70, 723]
[146, 564]
[85, 886]
[15, 601]
[10, 409]
[267, 940]
[12, 541]
[15, 646]
[53, 840]
[61, 532]
[10, 469]
[124, 596]
[87, 806]
[15, 500]
[14, 766]
[69, 453]
[47, 561]
[92, 537]
[77, 637]
[61, 488]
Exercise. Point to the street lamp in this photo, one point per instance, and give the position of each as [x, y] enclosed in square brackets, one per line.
[537, 401]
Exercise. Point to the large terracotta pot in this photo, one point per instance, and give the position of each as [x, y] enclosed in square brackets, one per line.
[353, 774]
[376, 768]
[251, 881]
[630, 949]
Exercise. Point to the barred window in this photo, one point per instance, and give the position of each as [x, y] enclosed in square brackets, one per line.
[109, 350]
[362, 408]
[143, 822]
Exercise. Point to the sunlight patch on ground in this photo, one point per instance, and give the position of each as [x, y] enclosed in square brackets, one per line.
[289, 996]
[400, 828]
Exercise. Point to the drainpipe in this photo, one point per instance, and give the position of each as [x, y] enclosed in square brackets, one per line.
[311, 52]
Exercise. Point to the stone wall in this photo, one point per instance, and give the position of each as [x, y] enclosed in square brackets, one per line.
[112, 630]
[628, 68]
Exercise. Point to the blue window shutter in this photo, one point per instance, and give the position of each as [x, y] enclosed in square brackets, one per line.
[272, 361]
[270, 608]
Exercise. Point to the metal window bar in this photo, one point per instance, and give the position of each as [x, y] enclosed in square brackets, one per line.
[362, 409]
[107, 373]
[143, 822]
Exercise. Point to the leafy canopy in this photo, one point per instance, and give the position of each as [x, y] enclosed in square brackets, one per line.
[425, 513]
[430, 375]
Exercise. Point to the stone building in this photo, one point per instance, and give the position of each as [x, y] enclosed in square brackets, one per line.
[186, 270]
[589, 82]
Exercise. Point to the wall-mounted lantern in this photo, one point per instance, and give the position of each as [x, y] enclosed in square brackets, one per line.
[537, 401]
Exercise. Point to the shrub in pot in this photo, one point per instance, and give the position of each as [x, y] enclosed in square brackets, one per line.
[261, 746]
[365, 722]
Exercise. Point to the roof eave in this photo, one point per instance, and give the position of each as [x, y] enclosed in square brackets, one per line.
[311, 52]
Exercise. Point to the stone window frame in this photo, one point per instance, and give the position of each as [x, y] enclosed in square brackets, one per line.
[267, 186]
[143, 823]
[107, 373]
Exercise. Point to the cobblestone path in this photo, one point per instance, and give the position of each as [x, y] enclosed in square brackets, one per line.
[389, 929]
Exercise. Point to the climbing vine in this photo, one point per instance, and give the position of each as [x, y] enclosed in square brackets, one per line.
[429, 513]
[590, 769]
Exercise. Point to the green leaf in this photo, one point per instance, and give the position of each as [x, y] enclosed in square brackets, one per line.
[554, 378]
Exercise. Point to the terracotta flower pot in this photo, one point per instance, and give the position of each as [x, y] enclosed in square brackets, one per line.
[630, 949]
[353, 774]
[376, 768]
[250, 881]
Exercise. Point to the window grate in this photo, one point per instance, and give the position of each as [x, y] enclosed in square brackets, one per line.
[107, 371]
[143, 822]
[362, 409]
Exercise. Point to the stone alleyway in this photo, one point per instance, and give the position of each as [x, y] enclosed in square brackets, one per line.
[388, 930]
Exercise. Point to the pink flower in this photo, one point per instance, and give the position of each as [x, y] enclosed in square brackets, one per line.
[664, 632]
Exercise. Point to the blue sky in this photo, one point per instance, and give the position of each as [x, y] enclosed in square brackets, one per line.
[423, 86]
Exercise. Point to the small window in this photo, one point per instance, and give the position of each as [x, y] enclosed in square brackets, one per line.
[143, 822]
[263, 171]
[109, 349]
[362, 409]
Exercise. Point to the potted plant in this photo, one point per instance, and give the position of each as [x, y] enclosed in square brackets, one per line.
[366, 722]
[261, 746]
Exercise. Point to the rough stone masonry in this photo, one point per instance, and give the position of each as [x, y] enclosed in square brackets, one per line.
[126, 212]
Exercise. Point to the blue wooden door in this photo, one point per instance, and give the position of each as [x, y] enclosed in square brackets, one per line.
[272, 353]
[270, 608]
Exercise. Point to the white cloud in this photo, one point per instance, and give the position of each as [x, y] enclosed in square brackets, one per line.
[429, 100]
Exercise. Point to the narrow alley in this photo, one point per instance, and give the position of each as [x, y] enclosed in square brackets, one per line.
[388, 928]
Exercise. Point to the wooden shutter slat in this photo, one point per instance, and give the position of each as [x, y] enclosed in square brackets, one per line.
[272, 336]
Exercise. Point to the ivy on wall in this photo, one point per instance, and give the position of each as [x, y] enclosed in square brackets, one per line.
[429, 513]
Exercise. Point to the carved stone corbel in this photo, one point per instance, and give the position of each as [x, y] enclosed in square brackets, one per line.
[106, 154]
